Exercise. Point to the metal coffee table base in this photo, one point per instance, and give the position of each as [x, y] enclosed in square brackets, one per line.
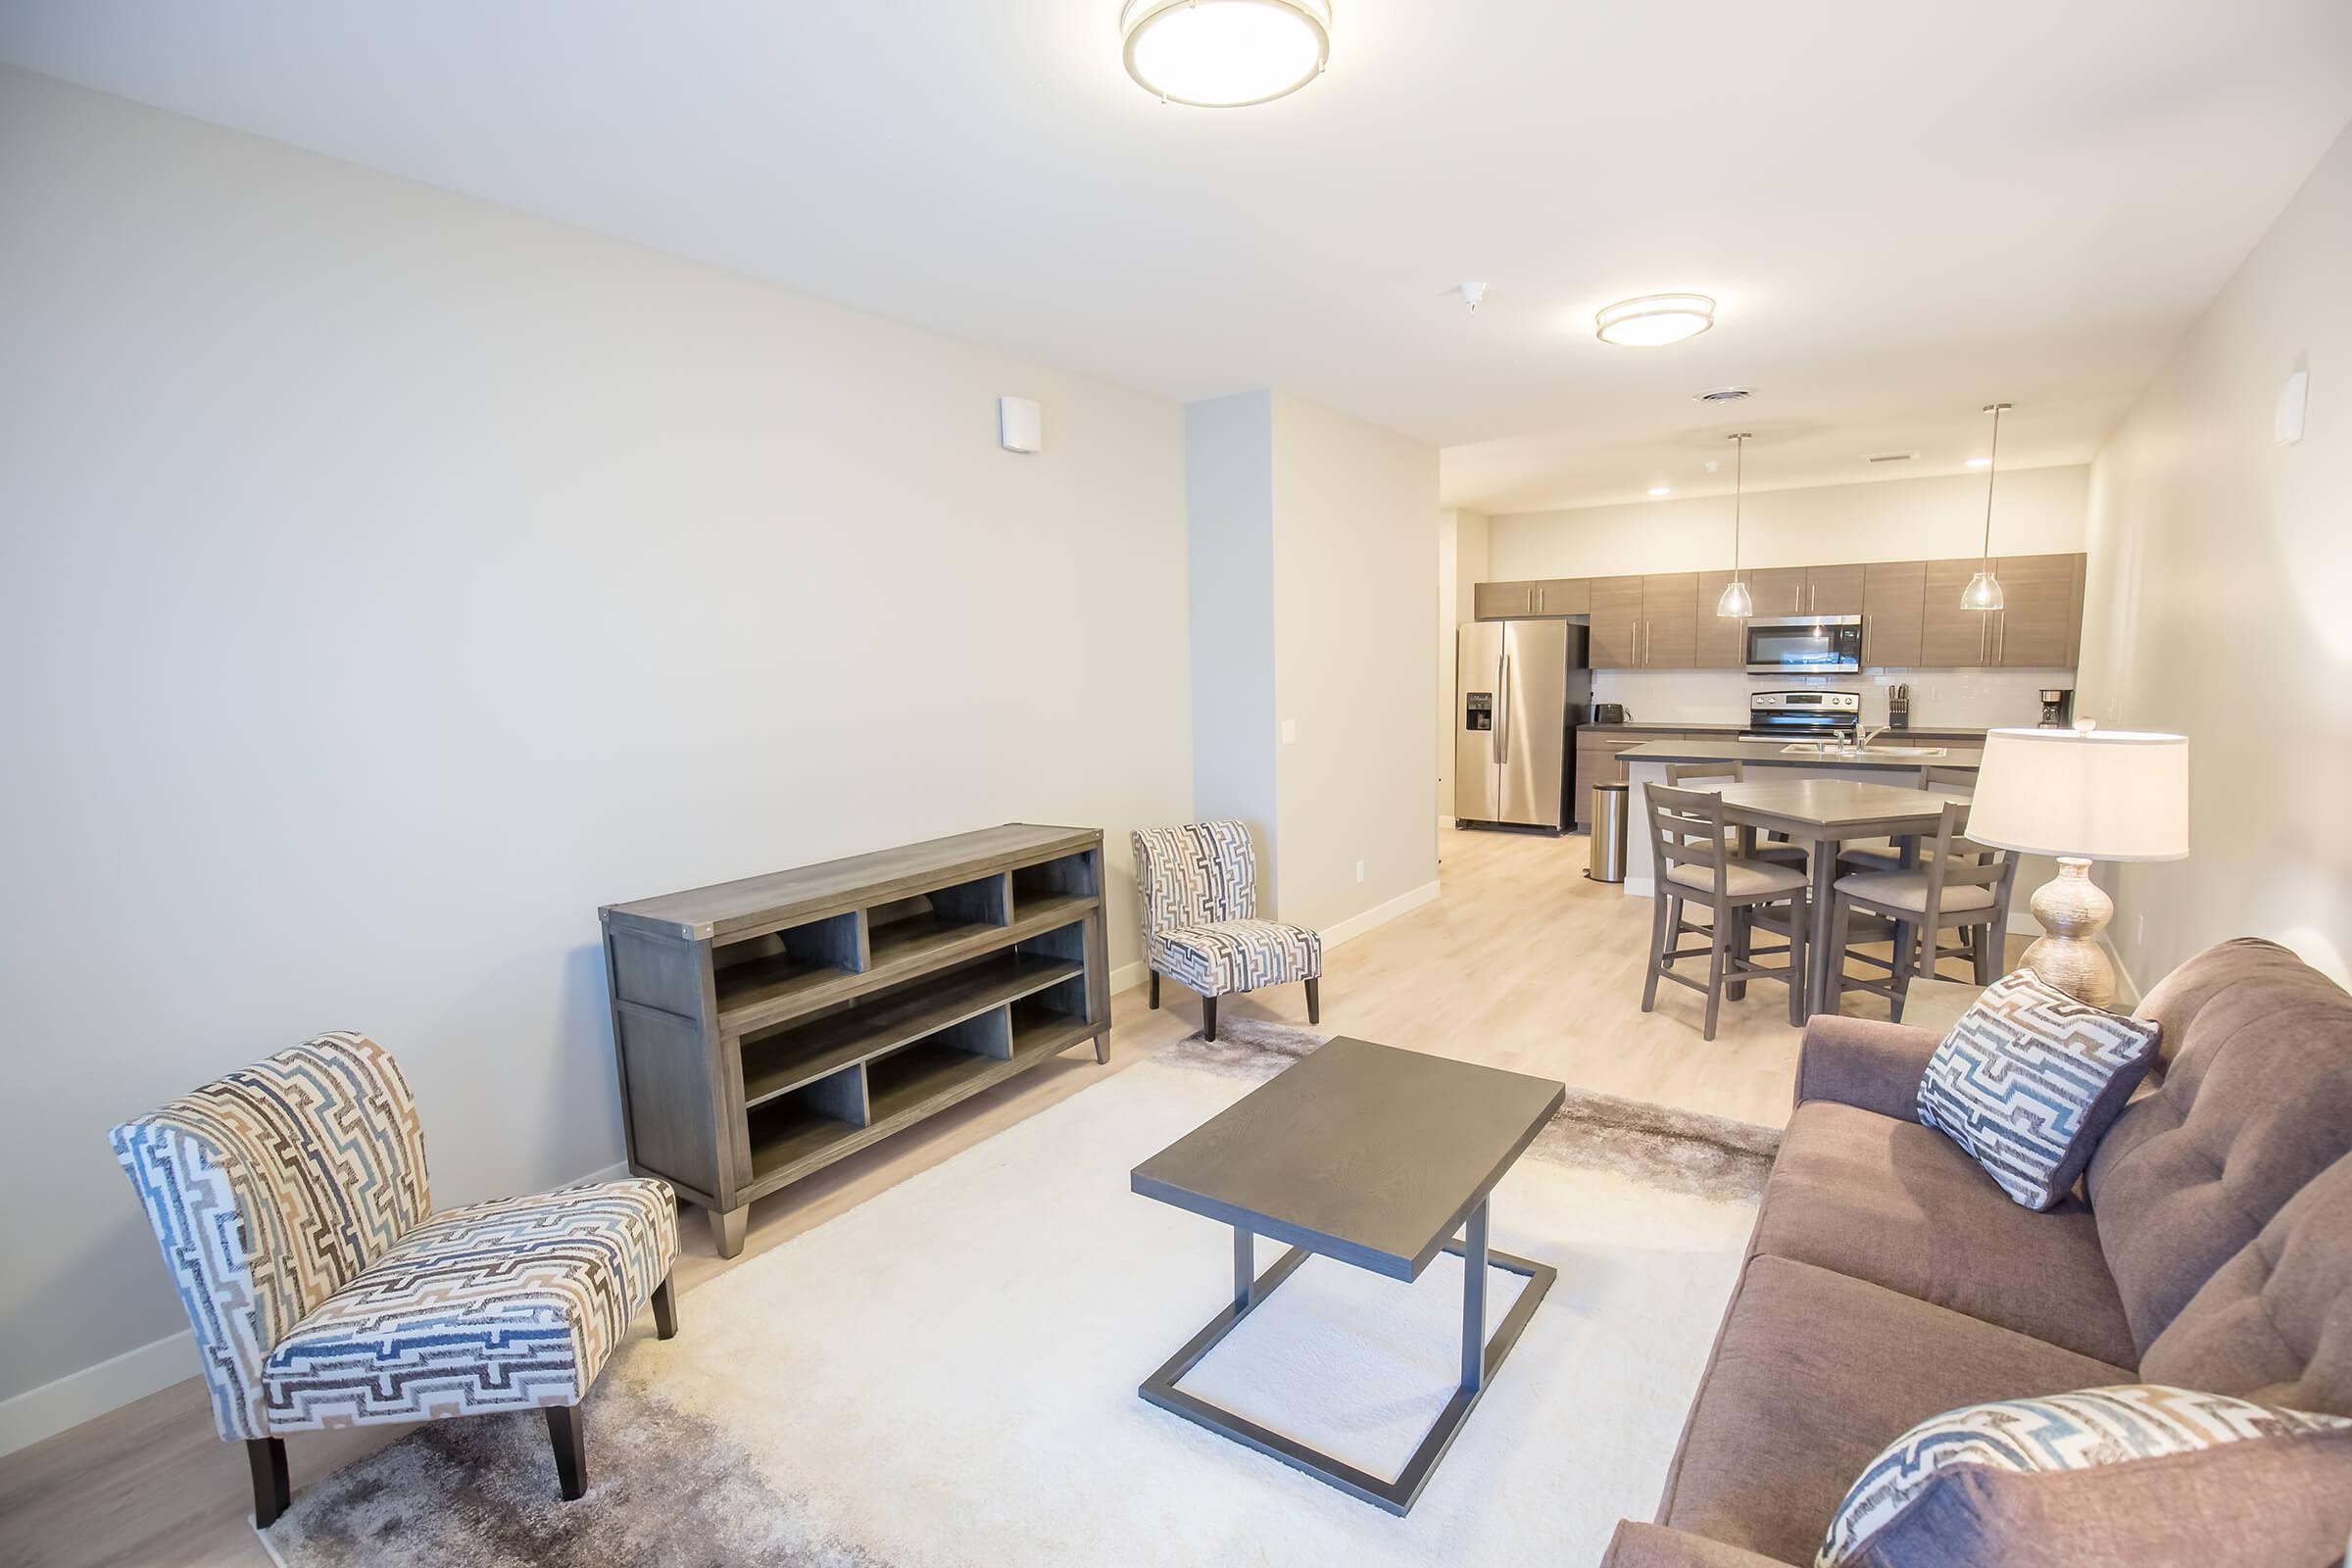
[1479, 1363]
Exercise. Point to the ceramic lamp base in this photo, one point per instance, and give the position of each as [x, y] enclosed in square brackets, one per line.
[2074, 909]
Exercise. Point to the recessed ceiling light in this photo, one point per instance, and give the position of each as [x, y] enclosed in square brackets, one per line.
[1660, 490]
[1980, 462]
[1225, 53]
[1724, 394]
[1654, 319]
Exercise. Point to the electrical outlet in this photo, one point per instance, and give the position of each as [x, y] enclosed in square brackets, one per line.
[1359, 870]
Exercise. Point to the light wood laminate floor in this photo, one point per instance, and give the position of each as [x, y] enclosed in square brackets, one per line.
[1520, 964]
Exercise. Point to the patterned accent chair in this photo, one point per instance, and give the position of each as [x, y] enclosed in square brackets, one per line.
[1196, 888]
[291, 1204]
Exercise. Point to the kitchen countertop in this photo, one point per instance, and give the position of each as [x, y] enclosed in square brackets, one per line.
[1768, 754]
[1669, 727]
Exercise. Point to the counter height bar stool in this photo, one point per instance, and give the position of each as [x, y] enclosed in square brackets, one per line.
[1963, 884]
[1885, 854]
[1695, 864]
[1734, 771]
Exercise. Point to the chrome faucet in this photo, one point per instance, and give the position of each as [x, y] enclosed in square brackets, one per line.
[1863, 737]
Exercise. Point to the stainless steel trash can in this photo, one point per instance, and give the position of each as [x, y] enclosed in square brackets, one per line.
[1610, 802]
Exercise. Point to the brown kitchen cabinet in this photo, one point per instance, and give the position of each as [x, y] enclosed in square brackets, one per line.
[1563, 596]
[1500, 601]
[1721, 640]
[1894, 597]
[1616, 611]
[1835, 590]
[1949, 635]
[1777, 591]
[1668, 620]
[2040, 618]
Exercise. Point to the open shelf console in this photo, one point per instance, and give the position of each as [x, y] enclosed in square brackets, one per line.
[768, 1027]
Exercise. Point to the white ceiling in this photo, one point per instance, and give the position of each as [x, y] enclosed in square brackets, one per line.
[1905, 209]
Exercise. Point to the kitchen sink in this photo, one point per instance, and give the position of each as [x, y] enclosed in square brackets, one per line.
[1808, 748]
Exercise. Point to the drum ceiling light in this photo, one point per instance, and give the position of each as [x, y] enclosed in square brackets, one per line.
[1225, 53]
[1654, 319]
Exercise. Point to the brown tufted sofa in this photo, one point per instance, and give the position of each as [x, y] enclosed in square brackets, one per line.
[1890, 1280]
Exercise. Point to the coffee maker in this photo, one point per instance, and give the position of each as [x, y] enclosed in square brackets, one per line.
[2057, 707]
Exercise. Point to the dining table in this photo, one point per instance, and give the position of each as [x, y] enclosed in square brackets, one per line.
[1822, 814]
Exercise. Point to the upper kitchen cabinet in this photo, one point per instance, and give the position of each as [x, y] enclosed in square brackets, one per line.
[2041, 619]
[1616, 610]
[1721, 640]
[1948, 634]
[1543, 596]
[1563, 596]
[1834, 590]
[1894, 597]
[1777, 591]
[1670, 620]
[1500, 601]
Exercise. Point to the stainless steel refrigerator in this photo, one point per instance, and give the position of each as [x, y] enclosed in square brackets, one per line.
[1522, 688]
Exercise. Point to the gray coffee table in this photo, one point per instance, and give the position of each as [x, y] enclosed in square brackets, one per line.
[1375, 1157]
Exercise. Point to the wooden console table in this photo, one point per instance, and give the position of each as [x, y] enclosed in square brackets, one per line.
[768, 1027]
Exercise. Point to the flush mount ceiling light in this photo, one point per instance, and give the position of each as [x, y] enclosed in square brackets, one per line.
[1661, 490]
[1225, 53]
[1654, 319]
[1980, 462]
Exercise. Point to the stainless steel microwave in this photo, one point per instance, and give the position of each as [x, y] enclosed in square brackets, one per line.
[1804, 645]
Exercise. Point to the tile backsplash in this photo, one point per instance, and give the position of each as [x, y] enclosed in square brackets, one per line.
[1959, 698]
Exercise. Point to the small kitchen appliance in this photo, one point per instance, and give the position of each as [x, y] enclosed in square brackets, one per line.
[1611, 713]
[1812, 716]
[1804, 645]
[2057, 708]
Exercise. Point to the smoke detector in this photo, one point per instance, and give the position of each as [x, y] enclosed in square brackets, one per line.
[1724, 394]
[1472, 294]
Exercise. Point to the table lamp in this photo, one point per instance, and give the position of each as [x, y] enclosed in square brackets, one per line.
[2081, 795]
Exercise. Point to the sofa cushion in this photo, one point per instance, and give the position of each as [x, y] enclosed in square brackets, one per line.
[1814, 1373]
[1900, 1206]
[2256, 1101]
[2028, 1080]
[2140, 1473]
[2275, 1323]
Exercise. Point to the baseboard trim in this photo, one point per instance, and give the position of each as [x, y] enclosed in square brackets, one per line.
[1127, 976]
[61, 1406]
[1379, 915]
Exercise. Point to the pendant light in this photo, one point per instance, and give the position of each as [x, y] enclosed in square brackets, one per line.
[1984, 590]
[1736, 601]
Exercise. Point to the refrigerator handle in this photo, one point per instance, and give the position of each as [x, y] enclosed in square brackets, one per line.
[1502, 711]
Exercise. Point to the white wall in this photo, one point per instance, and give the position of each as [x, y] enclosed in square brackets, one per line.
[2035, 512]
[2221, 569]
[391, 579]
[1462, 567]
[1355, 511]
[1229, 503]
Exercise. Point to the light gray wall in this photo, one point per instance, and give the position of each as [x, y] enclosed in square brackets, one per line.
[1355, 531]
[2221, 569]
[391, 579]
[2035, 512]
[1229, 505]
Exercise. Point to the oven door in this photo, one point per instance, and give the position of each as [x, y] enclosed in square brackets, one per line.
[1804, 645]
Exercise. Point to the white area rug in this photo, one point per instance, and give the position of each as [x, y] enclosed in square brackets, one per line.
[947, 1375]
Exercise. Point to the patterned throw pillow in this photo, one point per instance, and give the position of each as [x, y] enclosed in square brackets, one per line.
[2029, 1081]
[2111, 1431]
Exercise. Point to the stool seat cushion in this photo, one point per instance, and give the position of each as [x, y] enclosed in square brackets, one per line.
[1908, 890]
[505, 1306]
[1740, 877]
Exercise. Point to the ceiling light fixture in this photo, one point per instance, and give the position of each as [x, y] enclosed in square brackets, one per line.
[1654, 319]
[1980, 462]
[1225, 53]
[1737, 602]
[1984, 590]
[1660, 490]
[1724, 394]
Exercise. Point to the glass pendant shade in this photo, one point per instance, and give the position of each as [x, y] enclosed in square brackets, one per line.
[1983, 591]
[1737, 602]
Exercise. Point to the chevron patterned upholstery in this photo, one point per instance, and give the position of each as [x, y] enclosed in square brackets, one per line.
[504, 1306]
[1197, 891]
[280, 1187]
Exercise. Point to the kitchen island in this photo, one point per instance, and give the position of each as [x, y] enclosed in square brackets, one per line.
[1883, 762]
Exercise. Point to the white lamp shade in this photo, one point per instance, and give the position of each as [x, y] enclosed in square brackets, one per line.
[2108, 795]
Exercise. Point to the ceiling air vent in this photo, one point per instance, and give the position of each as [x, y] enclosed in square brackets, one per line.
[1725, 394]
[1889, 457]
